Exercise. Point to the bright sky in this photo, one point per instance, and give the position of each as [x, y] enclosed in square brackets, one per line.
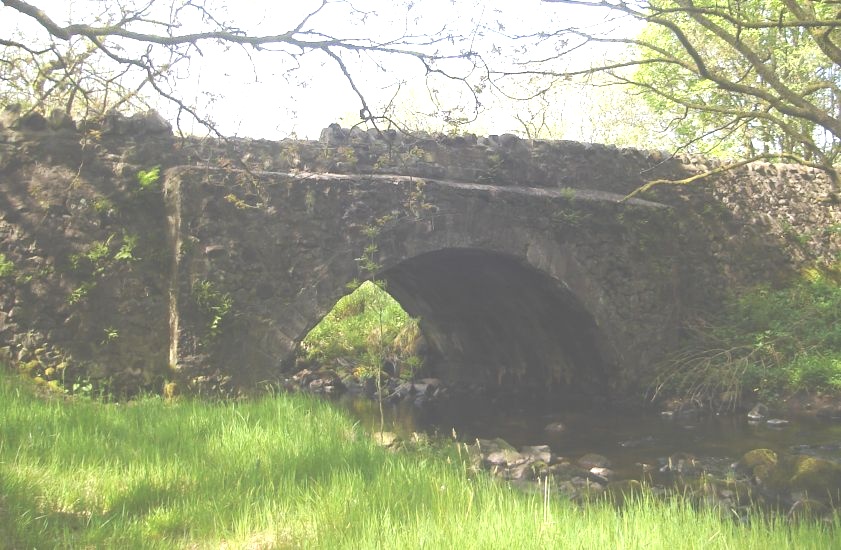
[271, 95]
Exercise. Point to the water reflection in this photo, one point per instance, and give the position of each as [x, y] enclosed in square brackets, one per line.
[628, 440]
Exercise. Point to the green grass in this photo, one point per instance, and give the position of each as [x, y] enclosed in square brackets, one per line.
[290, 471]
[352, 331]
[769, 343]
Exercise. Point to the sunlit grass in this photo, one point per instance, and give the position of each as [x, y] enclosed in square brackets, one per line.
[365, 327]
[292, 471]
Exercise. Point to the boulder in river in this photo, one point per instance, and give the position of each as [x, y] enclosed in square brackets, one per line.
[758, 413]
[540, 453]
[793, 477]
[593, 460]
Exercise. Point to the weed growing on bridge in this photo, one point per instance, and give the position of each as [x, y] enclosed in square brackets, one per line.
[7, 267]
[98, 261]
[215, 303]
[147, 180]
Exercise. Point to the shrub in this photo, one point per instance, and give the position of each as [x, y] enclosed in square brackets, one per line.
[768, 342]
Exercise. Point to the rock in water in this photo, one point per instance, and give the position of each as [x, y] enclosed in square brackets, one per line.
[758, 413]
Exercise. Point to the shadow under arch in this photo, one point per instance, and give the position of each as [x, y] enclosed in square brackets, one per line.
[492, 320]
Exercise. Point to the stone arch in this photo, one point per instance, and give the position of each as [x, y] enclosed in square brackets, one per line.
[286, 264]
[492, 319]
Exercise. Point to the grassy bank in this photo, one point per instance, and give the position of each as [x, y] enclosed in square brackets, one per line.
[291, 471]
[364, 328]
[768, 345]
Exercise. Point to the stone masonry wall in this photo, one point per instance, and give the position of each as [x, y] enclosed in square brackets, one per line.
[91, 255]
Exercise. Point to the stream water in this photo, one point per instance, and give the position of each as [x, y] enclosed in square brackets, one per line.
[628, 440]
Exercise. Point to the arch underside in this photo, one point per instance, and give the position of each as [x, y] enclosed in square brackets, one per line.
[492, 321]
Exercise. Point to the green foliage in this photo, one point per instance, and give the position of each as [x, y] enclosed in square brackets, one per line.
[126, 251]
[111, 334]
[147, 180]
[708, 116]
[355, 328]
[215, 303]
[102, 205]
[79, 293]
[7, 268]
[769, 343]
[291, 471]
[99, 260]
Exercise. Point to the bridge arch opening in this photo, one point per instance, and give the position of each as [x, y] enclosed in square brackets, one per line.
[493, 323]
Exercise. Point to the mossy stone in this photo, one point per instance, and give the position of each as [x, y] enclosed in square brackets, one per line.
[816, 476]
[760, 463]
[30, 367]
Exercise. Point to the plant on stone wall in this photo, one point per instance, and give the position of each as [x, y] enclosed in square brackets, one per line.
[416, 205]
[100, 259]
[79, 293]
[7, 268]
[111, 335]
[309, 201]
[147, 180]
[214, 303]
[126, 250]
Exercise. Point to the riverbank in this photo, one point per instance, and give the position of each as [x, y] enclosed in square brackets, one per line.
[293, 471]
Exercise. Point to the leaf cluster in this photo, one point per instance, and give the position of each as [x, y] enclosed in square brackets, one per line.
[755, 79]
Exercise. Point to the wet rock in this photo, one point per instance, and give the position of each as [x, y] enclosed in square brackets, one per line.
[565, 470]
[430, 388]
[402, 391]
[481, 451]
[505, 457]
[540, 453]
[776, 422]
[816, 477]
[324, 381]
[734, 491]
[600, 475]
[540, 468]
[584, 488]
[758, 463]
[758, 413]
[520, 472]
[602, 472]
[683, 411]
[793, 477]
[593, 460]
[681, 463]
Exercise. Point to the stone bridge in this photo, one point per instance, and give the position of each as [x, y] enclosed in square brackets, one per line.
[521, 258]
